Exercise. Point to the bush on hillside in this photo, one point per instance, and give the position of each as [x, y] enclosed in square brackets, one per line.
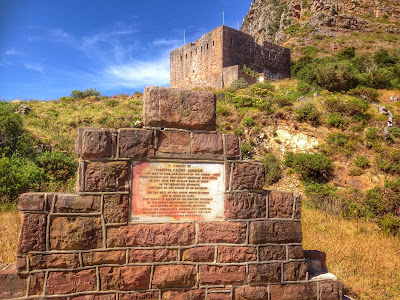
[324, 196]
[57, 165]
[336, 76]
[239, 84]
[365, 92]
[273, 170]
[77, 94]
[312, 167]
[10, 128]
[307, 112]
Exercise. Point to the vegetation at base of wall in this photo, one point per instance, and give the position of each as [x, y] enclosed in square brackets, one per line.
[249, 71]
[239, 84]
[273, 168]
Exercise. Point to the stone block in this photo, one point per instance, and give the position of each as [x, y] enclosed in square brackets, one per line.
[95, 297]
[296, 252]
[178, 108]
[228, 254]
[140, 296]
[207, 143]
[75, 233]
[106, 177]
[20, 264]
[152, 255]
[219, 296]
[167, 276]
[133, 142]
[32, 202]
[116, 208]
[222, 232]
[33, 233]
[330, 290]
[47, 261]
[125, 278]
[248, 176]
[67, 282]
[199, 254]
[69, 203]
[251, 293]
[232, 145]
[104, 257]
[12, 285]
[295, 271]
[174, 141]
[301, 291]
[272, 252]
[93, 143]
[262, 274]
[270, 231]
[148, 235]
[245, 205]
[297, 212]
[222, 275]
[36, 284]
[280, 204]
[197, 294]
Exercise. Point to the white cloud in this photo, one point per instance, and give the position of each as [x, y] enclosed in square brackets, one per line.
[12, 52]
[164, 42]
[34, 67]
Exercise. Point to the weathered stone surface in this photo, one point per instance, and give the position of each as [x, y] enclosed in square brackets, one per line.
[71, 282]
[315, 254]
[125, 278]
[95, 297]
[152, 255]
[36, 284]
[297, 212]
[69, 203]
[294, 271]
[140, 296]
[228, 254]
[272, 252]
[174, 141]
[330, 290]
[222, 232]
[106, 177]
[261, 274]
[20, 264]
[248, 176]
[199, 254]
[116, 208]
[232, 145]
[302, 291]
[269, 231]
[219, 296]
[167, 234]
[296, 252]
[245, 205]
[33, 233]
[251, 293]
[280, 204]
[222, 275]
[12, 285]
[135, 142]
[184, 295]
[45, 261]
[32, 201]
[166, 276]
[177, 108]
[104, 257]
[207, 143]
[75, 233]
[93, 142]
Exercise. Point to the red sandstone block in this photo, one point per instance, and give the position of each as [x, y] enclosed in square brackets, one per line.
[116, 208]
[232, 145]
[140, 296]
[94, 297]
[297, 213]
[152, 255]
[245, 205]
[104, 257]
[227, 254]
[293, 291]
[33, 233]
[251, 293]
[295, 271]
[32, 201]
[12, 285]
[197, 294]
[207, 143]
[199, 254]
[125, 278]
[296, 252]
[261, 274]
[272, 252]
[330, 290]
[167, 234]
[269, 231]
[280, 205]
[219, 296]
[135, 142]
[46, 261]
[172, 141]
[222, 232]
[172, 276]
[178, 108]
[76, 233]
[70, 203]
[222, 275]
[248, 176]
[71, 282]
[36, 284]
[93, 142]
[21, 265]
[106, 177]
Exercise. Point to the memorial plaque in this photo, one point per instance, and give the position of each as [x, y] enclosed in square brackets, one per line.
[166, 191]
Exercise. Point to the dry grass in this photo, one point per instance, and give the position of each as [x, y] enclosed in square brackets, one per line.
[9, 224]
[366, 261]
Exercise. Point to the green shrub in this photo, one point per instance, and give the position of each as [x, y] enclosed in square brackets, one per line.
[361, 162]
[247, 151]
[336, 76]
[282, 100]
[312, 167]
[371, 133]
[390, 224]
[273, 169]
[390, 162]
[345, 143]
[264, 86]
[307, 112]
[361, 91]
[77, 94]
[347, 53]
[324, 196]
[355, 171]
[335, 120]
[10, 128]
[250, 72]
[303, 87]
[239, 84]
[243, 100]
[248, 121]
[394, 131]
[222, 109]
[346, 104]
[57, 165]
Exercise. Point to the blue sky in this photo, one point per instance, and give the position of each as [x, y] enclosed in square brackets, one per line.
[50, 48]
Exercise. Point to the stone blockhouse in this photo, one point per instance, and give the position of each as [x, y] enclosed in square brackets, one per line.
[218, 57]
